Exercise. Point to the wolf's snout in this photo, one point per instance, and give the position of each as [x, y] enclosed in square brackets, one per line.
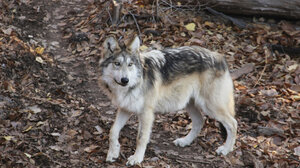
[124, 80]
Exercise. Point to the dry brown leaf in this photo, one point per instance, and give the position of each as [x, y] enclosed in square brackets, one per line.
[90, 148]
[245, 69]
[56, 148]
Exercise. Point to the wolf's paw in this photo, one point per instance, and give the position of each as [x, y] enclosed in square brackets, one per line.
[223, 150]
[182, 142]
[113, 153]
[133, 160]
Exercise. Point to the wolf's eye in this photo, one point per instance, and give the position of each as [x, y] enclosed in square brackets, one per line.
[117, 63]
[130, 64]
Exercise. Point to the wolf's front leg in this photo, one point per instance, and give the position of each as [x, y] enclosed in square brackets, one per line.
[114, 145]
[145, 124]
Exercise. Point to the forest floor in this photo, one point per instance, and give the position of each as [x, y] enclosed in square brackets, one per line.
[53, 114]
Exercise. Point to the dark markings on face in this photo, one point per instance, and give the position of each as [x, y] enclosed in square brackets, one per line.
[107, 61]
[187, 61]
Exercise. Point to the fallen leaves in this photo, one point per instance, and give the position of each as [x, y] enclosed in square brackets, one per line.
[269, 93]
[191, 27]
[56, 148]
[209, 24]
[99, 130]
[8, 138]
[245, 69]
[39, 50]
[35, 109]
[56, 134]
[27, 129]
[91, 148]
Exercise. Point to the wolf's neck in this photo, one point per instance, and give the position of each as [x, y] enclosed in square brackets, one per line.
[130, 99]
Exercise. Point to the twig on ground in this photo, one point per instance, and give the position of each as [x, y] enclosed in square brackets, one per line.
[188, 160]
[135, 21]
[110, 18]
[267, 54]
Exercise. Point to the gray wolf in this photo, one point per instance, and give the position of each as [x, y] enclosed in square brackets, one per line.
[143, 83]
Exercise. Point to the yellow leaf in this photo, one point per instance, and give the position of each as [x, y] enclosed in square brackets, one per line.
[190, 26]
[8, 138]
[28, 129]
[39, 50]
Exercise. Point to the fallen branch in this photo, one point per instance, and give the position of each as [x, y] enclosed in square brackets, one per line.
[268, 131]
[239, 23]
[137, 25]
[274, 8]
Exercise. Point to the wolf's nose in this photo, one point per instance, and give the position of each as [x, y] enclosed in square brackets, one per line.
[124, 80]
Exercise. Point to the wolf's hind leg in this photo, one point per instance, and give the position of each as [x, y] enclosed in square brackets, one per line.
[230, 124]
[197, 124]
[114, 145]
[223, 114]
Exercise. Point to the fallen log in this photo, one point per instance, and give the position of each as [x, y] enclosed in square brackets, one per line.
[288, 9]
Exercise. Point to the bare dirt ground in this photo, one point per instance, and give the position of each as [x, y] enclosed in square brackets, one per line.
[53, 114]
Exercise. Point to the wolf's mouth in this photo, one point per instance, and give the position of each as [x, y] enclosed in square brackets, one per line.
[122, 84]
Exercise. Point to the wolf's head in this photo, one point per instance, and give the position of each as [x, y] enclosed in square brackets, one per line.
[121, 67]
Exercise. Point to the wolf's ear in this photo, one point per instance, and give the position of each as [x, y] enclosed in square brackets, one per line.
[110, 45]
[134, 45]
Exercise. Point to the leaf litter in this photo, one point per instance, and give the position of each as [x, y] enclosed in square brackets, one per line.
[53, 114]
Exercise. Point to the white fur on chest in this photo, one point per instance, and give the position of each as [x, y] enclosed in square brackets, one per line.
[131, 101]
